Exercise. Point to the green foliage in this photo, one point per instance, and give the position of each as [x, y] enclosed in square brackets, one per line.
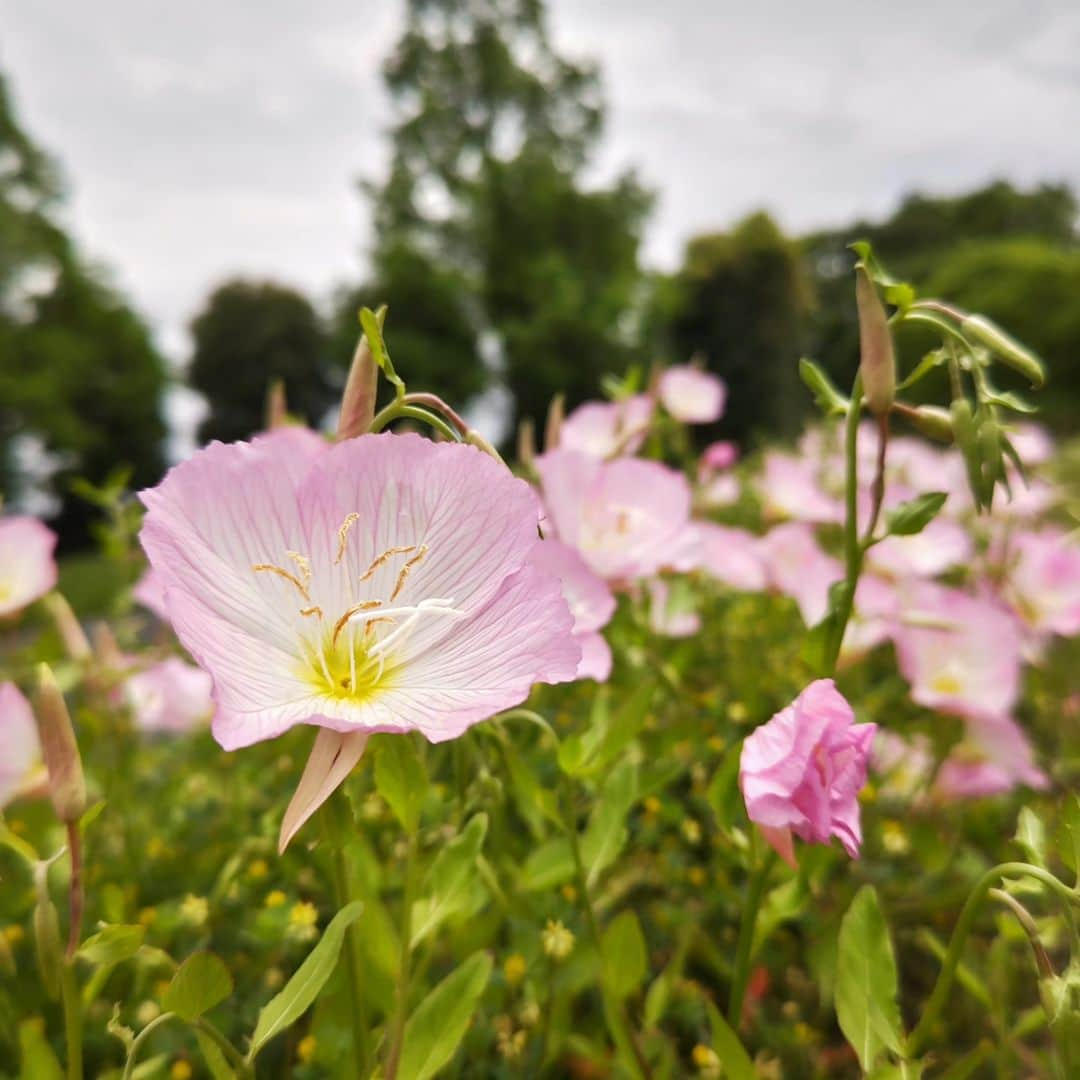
[201, 982]
[400, 779]
[626, 961]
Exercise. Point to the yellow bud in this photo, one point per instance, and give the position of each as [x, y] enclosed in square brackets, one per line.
[877, 362]
[67, 786]
[305, 1049]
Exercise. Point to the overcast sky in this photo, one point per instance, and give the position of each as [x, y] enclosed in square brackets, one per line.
[206, 137]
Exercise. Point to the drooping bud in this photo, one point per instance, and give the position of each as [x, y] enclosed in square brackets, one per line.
[67, 625]
[106, 649]
[1006, 347]
[358, 400]
[931, 420]
[67, 786]
[474, 438]
[553, 427]
[877, 361]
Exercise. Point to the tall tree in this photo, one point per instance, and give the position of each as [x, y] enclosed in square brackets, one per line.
[80, 378]
[249, 334]
[485, 198]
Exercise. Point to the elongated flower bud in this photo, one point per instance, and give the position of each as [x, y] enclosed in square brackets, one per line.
[1006, 347]
[358, 400]
[67, 625]
[277, 409]
[526, 443]
[877, 362]
[67, 786]
[553, 427]
[931, 420]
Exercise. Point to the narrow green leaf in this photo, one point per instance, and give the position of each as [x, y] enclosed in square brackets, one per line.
[447, 885]
[932, 360]
[626, 961]
[606, 832]
[216, 1062]
[729, 1047]
[112, 944]
[1031, 836]
[400, 779]
[201, 982]
[37, 1060]
[829, 400]
[303, 988]
[878, 274]
[913, 516]
[439, 1023]
[372, 326]
[1069, 834]
[866, 981]
[547, 866]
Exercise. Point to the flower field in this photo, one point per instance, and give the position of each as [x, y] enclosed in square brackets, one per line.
[375, 756]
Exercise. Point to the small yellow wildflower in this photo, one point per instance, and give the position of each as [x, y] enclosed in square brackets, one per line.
[147, 916]
[737, 712]
[274, 978]
[894, 838]
[715, 743]
[304, 914]
[706, 1060]
[691, 829]
[529, 1014]
[305, 1049]
[155, 847]
[514, 968]
[275, 898]
[195, 910]
[557, 940]
[14, 934]
[181, 1070]
[652, 805]
[696, 876]
[147, 1011]
[258, 870]
[569, 893]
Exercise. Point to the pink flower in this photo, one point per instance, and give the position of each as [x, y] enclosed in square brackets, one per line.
[691, 395]
[940, 546]
[150, 593]
[960, 654]
[720, 490]
[797, 567]
[802, 771]
[732, 556]
[790, 489]
[591, 603]
[624, 517]
[718, 456]
[873, 618]
[27, 566]
[20, 758]
[382, 584]
[169, 696]
[671, 612]
[603, 429]
[1043, 581]
[996, 757]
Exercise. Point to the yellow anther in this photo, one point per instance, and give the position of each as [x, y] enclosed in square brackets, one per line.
[269, 568]
[343, 535]
[403, 576]
[316, 610]
[303, 564]
[388, 554]
[367, 605]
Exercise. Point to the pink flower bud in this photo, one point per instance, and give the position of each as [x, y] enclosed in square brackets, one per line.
[67, 787]
[877, 362]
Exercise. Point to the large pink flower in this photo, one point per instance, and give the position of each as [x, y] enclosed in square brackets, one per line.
[802, 771]
[150, 593]
[1043, 581]
[790, 489]
[591, 603]
[625, 517]
[960, 654]
[603, 429]
[731, 555]
[27, 566]
[379, 585]
[797, 567]
[169, 696]
[691, 395]
[994, 758]
[20, 750]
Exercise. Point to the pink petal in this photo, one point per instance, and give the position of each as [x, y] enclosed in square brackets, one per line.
[27, 566]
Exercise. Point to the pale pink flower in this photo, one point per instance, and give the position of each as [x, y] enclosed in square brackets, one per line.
[20, 750]
[170, 696]
[797, 567]
[723, 489]
[624, 517]
[379, 585]
[940, 546]
[789, 488]
[1032, 442]
[732, 556]
[873, 617]
[1042, 581]
[27, 565]
[960, 654]
[603, 429]
[802, 771]
[994, 758]
[671, 610]
[718, 456]
[691, 395]
[150, 593]
[591, 603]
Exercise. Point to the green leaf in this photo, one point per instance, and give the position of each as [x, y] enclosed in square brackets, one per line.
[201, 982]
[112, 944]
[37, 1060]
[608, 734]
[1069, 834]
[547, 866]
[933, 359]
[448, 880]
[626, 961]
[1031, 836]
[1009, 400]
[878, 274]
[723, 793]
[372, 326]
[829, 400]
[439, 1023]
[606, 832]
[216, 1062]
[913, 516]
[303, 988]
[729, 1047]
[400, 779]
[901, 295]
[866, 981]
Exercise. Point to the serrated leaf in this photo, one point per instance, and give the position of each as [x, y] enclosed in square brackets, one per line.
[448, 880]
[913, 516]
[729, 1047]
[303, 988]
[438, 1025]
[201, 982]
[400, 779]
[112, 944]
[866, 981]
[626, 961]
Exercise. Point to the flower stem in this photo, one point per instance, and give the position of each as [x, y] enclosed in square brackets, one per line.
[73, 1033]
[75, 889]
[964, 927]
[335, 824]
[744, 949]
[401, 1008]
[400, 409]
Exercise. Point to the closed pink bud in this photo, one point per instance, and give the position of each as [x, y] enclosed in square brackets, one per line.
[67, 786]
[877, 362]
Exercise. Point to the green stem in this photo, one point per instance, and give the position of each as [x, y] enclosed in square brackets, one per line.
[400, 409]
[136, 1045]
[75, 889]
[73, 1028]
[401, 995]
[964, 927]
[242, 1066]
[744, 949]
[335, 825]
[614, 1009]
